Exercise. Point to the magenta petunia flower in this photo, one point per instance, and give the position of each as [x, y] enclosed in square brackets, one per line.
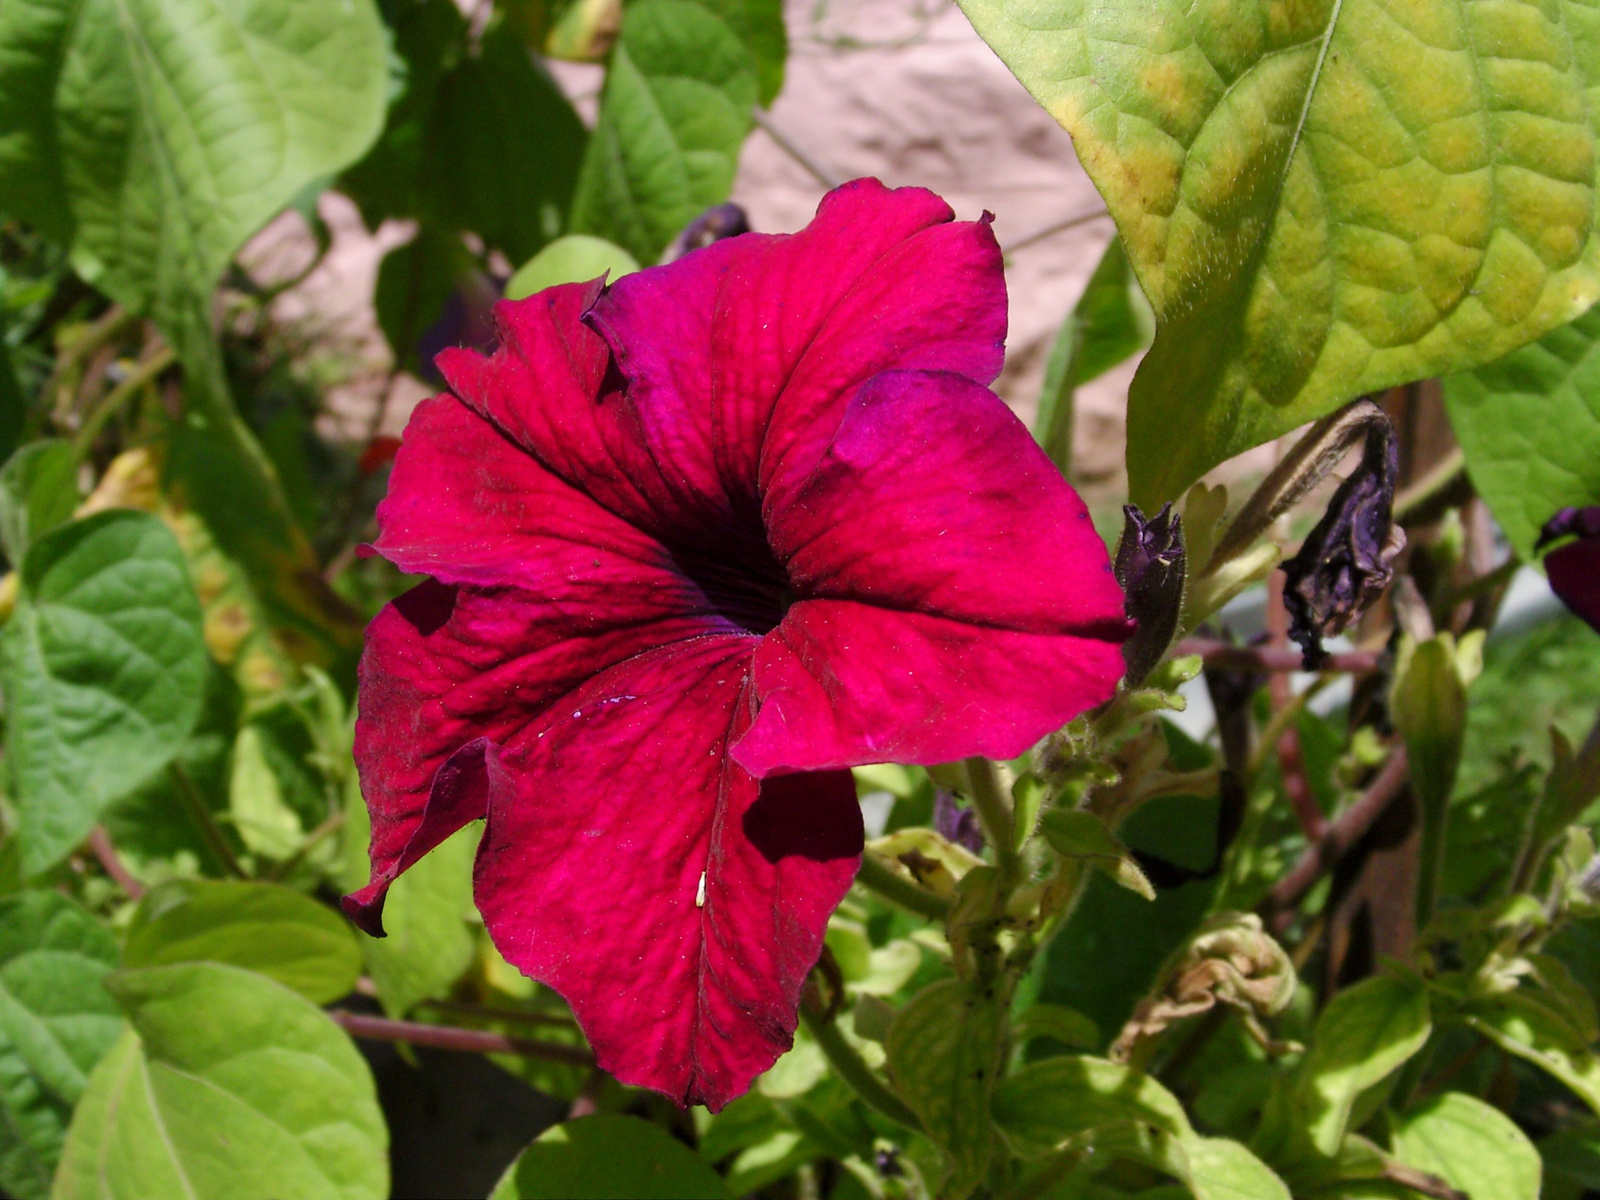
[699, 542]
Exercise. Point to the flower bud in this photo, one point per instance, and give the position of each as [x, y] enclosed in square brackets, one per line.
[1150, 567]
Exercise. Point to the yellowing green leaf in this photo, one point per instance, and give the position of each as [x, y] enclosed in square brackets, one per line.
[1320, 199]
[228, 1084]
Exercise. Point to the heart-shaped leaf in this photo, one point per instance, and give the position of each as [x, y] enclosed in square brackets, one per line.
[1320, 199]
[103, 667]
[56, 1022]
[228, 1084]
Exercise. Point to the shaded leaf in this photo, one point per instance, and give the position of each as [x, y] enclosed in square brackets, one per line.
[1046, 1103]
[607, 1157]
[673, 116]
[1529, 425]
[1529, 1030]
[944, 1052]
[1110, 323]
[263, 927]
[228, 1084]
[56, 1022]
[103, 671]
[38, 491]
[1320, 200]
[1077, 834]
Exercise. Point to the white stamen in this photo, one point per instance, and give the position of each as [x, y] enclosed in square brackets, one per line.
[700, 892]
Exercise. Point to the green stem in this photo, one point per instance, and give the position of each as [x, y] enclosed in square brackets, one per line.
[323, 831]
[852, 1068]
[194, 804]
[995, 815]
[117, 397]
[877, 876]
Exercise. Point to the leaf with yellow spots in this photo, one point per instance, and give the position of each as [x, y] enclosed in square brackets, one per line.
[1321, 198]
[235, 624]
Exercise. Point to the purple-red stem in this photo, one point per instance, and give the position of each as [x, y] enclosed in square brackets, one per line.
[449, 1037]
[1291, 762]
[1345, 831]
[1272, 660]
[100, 843]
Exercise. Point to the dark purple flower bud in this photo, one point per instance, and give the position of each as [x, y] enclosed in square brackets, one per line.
[956, 824]
[1150, 567]
[1574, 566]
[1348, 559]
[718, 222]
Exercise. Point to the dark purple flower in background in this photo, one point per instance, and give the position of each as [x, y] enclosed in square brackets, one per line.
[1574, 566]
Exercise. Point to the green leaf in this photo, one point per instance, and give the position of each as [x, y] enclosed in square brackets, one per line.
[1366, 1032]
[263, 927]
[1574, 1154]
[155, 136]
[607, 1157]
[265, 822]
[1323, 199]
[228, 1084]
[1076, 834]
[430, 943]
[482, 140]
[1522, 1026]
[575, 258]
[38, 491]
[415, 282]
[759, 23]
[103, 669]
[1470, 1145]
[1529, 425]
[1046, 1103]
[56, 1022]
[944, 1052]
[1221, 1169]
[1110, 323]
[674, 113]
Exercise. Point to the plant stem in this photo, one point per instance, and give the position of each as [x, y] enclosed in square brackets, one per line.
[994, 814]
[855, 1072]
[1272, 659]
[1049, 231]
[323, 831]
[106, 852]
[483, 1012]
[781, 139]
[194, 804]
[877, 876]
[1347, 829]
[143, 373]
[449, 1037]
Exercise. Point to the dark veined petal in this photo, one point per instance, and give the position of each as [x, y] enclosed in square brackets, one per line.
[768, 333]
[448, 675]
[675, 901]
[956, 599]
[1574, 566]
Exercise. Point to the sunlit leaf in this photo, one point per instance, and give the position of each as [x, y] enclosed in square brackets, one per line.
[673, 116]
[1320, 199]
[1529, 425]
[263, 927]
[228, 1084]
[572, 259]
[103, 669]
[1469, 1144]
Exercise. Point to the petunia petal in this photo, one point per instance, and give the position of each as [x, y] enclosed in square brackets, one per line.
[549, 386]
[1574, 571]
[446, 669]
[468, 506]
[742, 355]
[674, 901]
[841, 683]
[933, 498]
